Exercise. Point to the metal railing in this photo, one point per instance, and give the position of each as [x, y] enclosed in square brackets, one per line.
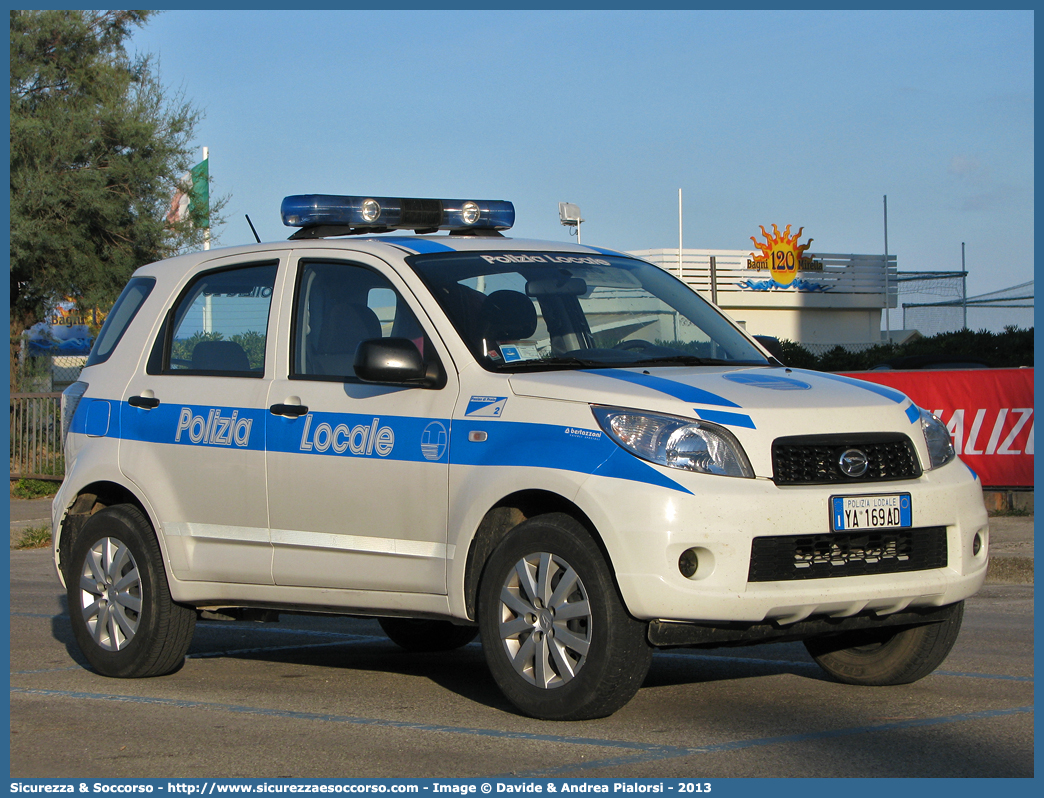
[835, 275]
[36, 436]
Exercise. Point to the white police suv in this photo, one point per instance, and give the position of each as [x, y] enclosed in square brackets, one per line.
[560, 446]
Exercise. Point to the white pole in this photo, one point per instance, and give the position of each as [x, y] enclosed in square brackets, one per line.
[680, 273]
[888, 299]
[964, 288]
[206, 232]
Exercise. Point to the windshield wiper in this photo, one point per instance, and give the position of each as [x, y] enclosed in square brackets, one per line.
[548, 363]
[684, 360]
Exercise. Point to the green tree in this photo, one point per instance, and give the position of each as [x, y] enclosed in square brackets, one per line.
[97, 150]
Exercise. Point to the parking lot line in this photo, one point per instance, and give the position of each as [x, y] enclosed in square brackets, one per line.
[650, 756]
[642, 752]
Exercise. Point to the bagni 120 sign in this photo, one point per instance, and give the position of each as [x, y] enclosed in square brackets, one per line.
[782, 255]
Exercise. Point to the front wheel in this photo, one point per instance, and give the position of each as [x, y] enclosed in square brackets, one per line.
[123, 618]
[885, 657]
[555, 633]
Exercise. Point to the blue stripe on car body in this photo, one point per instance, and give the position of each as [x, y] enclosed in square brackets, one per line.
[725, 419]
[912, 411]
[881, 390]
[411, 439]
[679, 390]
[422, 246]
[510, 443]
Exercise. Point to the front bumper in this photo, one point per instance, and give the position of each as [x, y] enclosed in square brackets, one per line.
[648, 528]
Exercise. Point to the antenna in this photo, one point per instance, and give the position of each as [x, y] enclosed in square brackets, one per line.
[252, 230]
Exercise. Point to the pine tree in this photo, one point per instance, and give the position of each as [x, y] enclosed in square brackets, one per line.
[97, 150]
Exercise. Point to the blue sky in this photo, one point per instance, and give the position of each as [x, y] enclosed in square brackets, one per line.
[760, 117]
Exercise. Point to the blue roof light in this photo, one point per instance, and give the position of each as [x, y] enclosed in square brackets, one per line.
[379, 214]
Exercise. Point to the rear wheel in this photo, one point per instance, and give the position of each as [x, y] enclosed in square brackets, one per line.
[556, 635]
[122, 615]
[885, 657]
[418, 634]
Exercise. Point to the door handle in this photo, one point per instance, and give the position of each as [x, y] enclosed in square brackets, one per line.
[288, 410]
[146, 402]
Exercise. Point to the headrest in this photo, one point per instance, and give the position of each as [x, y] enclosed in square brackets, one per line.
[509, 316]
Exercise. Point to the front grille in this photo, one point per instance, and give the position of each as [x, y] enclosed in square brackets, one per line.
[779, 559]
[814, 459]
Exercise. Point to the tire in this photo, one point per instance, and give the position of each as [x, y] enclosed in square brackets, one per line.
[421, 635]
[122, 615]
[556, 636]
[885, 657]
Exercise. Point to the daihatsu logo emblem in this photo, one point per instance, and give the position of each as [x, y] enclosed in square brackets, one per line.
[853, 462]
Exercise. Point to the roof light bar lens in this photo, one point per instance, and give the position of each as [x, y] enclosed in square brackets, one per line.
[371, 210]
[311, 210]
[470, 212]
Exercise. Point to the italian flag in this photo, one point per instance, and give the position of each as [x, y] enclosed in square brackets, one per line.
[192, 199]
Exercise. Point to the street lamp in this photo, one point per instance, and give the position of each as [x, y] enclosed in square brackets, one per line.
[570, 216]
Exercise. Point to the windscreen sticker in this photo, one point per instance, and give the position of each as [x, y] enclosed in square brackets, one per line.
[486, 406]
[523, 350]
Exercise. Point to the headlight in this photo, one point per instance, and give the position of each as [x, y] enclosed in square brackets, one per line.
[676, 442]
[940, 446]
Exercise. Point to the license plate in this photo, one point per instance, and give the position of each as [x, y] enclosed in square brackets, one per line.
[890, 511]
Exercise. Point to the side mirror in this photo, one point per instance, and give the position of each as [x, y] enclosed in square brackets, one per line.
[391, 360]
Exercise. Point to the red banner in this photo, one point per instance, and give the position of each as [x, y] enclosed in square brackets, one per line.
[989, 413]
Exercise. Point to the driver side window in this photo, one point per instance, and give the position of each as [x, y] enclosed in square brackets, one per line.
[338, 306]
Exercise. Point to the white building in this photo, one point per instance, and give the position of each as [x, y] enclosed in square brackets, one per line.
[832, 299]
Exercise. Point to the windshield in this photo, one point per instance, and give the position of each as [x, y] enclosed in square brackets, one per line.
[521, 311]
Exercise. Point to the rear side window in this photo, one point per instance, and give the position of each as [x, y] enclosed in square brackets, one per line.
[119, 318]
[220, 323]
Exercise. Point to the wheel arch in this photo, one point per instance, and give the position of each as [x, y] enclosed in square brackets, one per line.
[504, 516]
[89, 500]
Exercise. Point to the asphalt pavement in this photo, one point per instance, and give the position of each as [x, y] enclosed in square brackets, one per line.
[332, 697]
[1011, 539]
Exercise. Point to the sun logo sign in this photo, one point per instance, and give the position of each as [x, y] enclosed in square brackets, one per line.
[781, 254]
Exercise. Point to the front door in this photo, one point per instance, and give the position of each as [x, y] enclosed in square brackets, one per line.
[357, 473]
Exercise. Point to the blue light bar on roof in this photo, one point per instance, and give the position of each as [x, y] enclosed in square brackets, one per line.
[374, 214]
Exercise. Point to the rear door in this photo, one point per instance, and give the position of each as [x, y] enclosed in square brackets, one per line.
[193, 423]
[357, 473]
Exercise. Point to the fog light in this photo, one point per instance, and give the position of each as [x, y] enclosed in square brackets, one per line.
[688, 563]
[976, 544]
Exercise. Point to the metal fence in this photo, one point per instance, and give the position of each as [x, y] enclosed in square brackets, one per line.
[730, 275]
[36, 436]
